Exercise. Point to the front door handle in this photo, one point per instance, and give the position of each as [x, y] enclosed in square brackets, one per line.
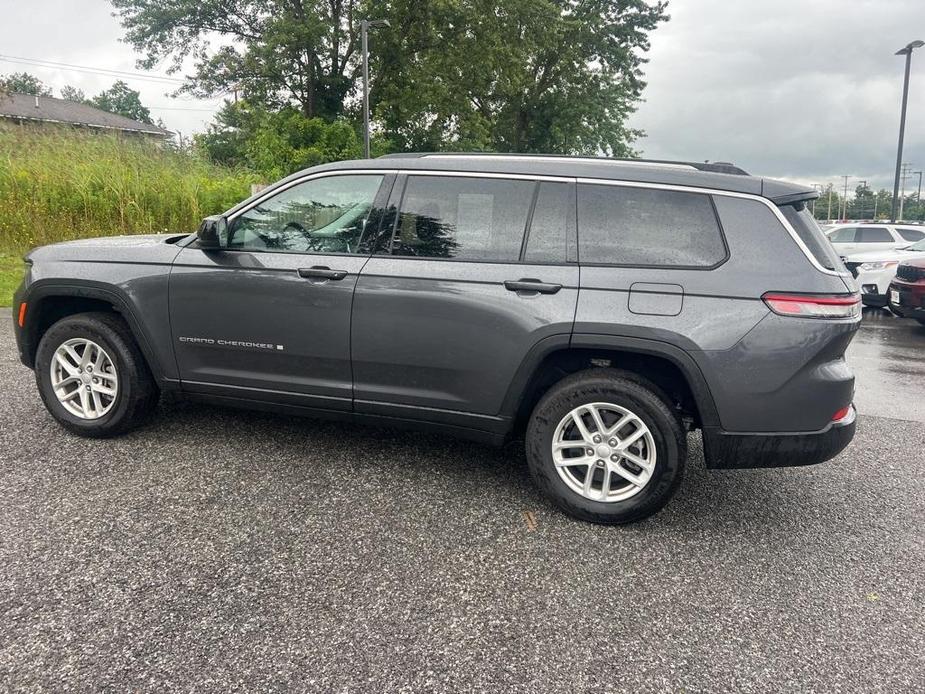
[321, 272]
[531, 285]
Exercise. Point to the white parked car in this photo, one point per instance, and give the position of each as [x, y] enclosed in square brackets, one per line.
[875, 269]
[856, 238]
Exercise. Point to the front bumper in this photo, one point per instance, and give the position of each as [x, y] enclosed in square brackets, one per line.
[875, 285]
[724, 450]
[911, 300]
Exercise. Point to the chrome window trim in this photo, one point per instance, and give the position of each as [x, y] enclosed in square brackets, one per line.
[775, 210]
[304, 179]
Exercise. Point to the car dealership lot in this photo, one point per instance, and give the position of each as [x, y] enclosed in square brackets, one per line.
[217, 550]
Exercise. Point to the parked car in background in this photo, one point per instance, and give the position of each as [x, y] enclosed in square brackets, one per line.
[907, 290]
[856, 238]
[875, 269]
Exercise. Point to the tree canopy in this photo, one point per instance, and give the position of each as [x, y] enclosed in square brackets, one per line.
[24, 83]
[514, 75]
[122, 99]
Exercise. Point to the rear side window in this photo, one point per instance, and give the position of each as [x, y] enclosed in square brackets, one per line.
[553, 216]
[464, 218]
[911, 235]
[874, 235]
[812, 237]
[620, 225]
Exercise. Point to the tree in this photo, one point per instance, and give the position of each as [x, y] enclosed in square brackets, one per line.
[282, 51]
[520, 75]
[276, 143]
[121, 99]
[24, 83]
[73, 94]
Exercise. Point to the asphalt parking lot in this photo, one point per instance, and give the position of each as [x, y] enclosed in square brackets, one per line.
[222, 551]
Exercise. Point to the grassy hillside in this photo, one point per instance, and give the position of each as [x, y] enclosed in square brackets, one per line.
[63, 184]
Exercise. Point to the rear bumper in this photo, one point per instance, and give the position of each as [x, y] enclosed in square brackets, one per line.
[724, 450]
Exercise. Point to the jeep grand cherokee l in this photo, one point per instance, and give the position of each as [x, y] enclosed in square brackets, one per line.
[598, 308]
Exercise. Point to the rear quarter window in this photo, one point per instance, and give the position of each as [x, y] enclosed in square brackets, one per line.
[812, 237]
[619, 225]
[911, 235]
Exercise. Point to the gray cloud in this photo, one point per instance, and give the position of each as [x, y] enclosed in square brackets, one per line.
[803, 90]
[807, 90]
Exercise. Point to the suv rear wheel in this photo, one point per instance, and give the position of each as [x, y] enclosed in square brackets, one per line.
[605, 447]
[92, 376]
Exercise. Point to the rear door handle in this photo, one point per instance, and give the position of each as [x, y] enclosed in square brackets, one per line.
[321, 272]
[531, 285]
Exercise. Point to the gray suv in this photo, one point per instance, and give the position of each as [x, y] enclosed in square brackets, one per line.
[600, 309]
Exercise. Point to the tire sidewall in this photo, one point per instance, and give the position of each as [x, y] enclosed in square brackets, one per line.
[670, 447]
[118, 352]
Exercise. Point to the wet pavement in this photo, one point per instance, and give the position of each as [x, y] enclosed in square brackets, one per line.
[888, 358]
[217, 550]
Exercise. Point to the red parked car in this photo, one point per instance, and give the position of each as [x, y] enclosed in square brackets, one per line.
[907, 290]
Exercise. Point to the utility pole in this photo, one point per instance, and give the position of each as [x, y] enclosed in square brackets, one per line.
[365, 26]
[829, 213]
[820, 188]
[844, 214]
[906, 168]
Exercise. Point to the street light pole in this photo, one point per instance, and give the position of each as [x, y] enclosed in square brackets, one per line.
[365, 26]
[907, 51]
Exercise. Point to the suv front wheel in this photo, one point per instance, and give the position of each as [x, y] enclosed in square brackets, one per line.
[92, 377]
[605, 447]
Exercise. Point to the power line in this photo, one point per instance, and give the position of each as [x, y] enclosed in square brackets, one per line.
[93, 70]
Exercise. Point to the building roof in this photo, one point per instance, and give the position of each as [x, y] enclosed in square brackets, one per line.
[636, 170]
[48, 109]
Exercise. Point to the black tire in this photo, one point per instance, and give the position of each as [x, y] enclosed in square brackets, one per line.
[633, 393]
[137, 393]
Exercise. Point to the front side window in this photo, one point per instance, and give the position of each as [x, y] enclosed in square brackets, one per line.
[619, 225]
[874, 235]
[323, 215]
[844, 235]
[463, 218]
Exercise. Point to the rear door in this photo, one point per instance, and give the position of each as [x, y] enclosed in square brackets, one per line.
[875, 239]
[448, 310]
[844, 240]
[267, 317]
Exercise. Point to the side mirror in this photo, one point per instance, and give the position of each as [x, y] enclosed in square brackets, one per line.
[213, 232]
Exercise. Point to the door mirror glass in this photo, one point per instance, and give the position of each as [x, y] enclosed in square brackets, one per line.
[213, 232]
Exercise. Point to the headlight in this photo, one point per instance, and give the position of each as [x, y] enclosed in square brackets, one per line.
[879, 265]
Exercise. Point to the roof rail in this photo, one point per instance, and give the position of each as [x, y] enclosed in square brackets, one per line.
[713, 167]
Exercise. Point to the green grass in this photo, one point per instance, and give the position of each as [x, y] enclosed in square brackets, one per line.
[62, 184]
[11, 270]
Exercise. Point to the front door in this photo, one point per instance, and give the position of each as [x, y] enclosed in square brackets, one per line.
[267, 317]
[446, 315]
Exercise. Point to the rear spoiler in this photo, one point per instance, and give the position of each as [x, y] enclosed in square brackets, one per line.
[795, 198]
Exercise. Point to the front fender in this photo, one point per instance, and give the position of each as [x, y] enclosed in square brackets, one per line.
[145, 312]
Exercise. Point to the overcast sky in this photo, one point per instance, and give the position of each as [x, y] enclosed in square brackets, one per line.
[807, 90]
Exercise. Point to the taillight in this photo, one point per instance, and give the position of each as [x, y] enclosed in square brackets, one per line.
[841, 414]
[814, 305]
